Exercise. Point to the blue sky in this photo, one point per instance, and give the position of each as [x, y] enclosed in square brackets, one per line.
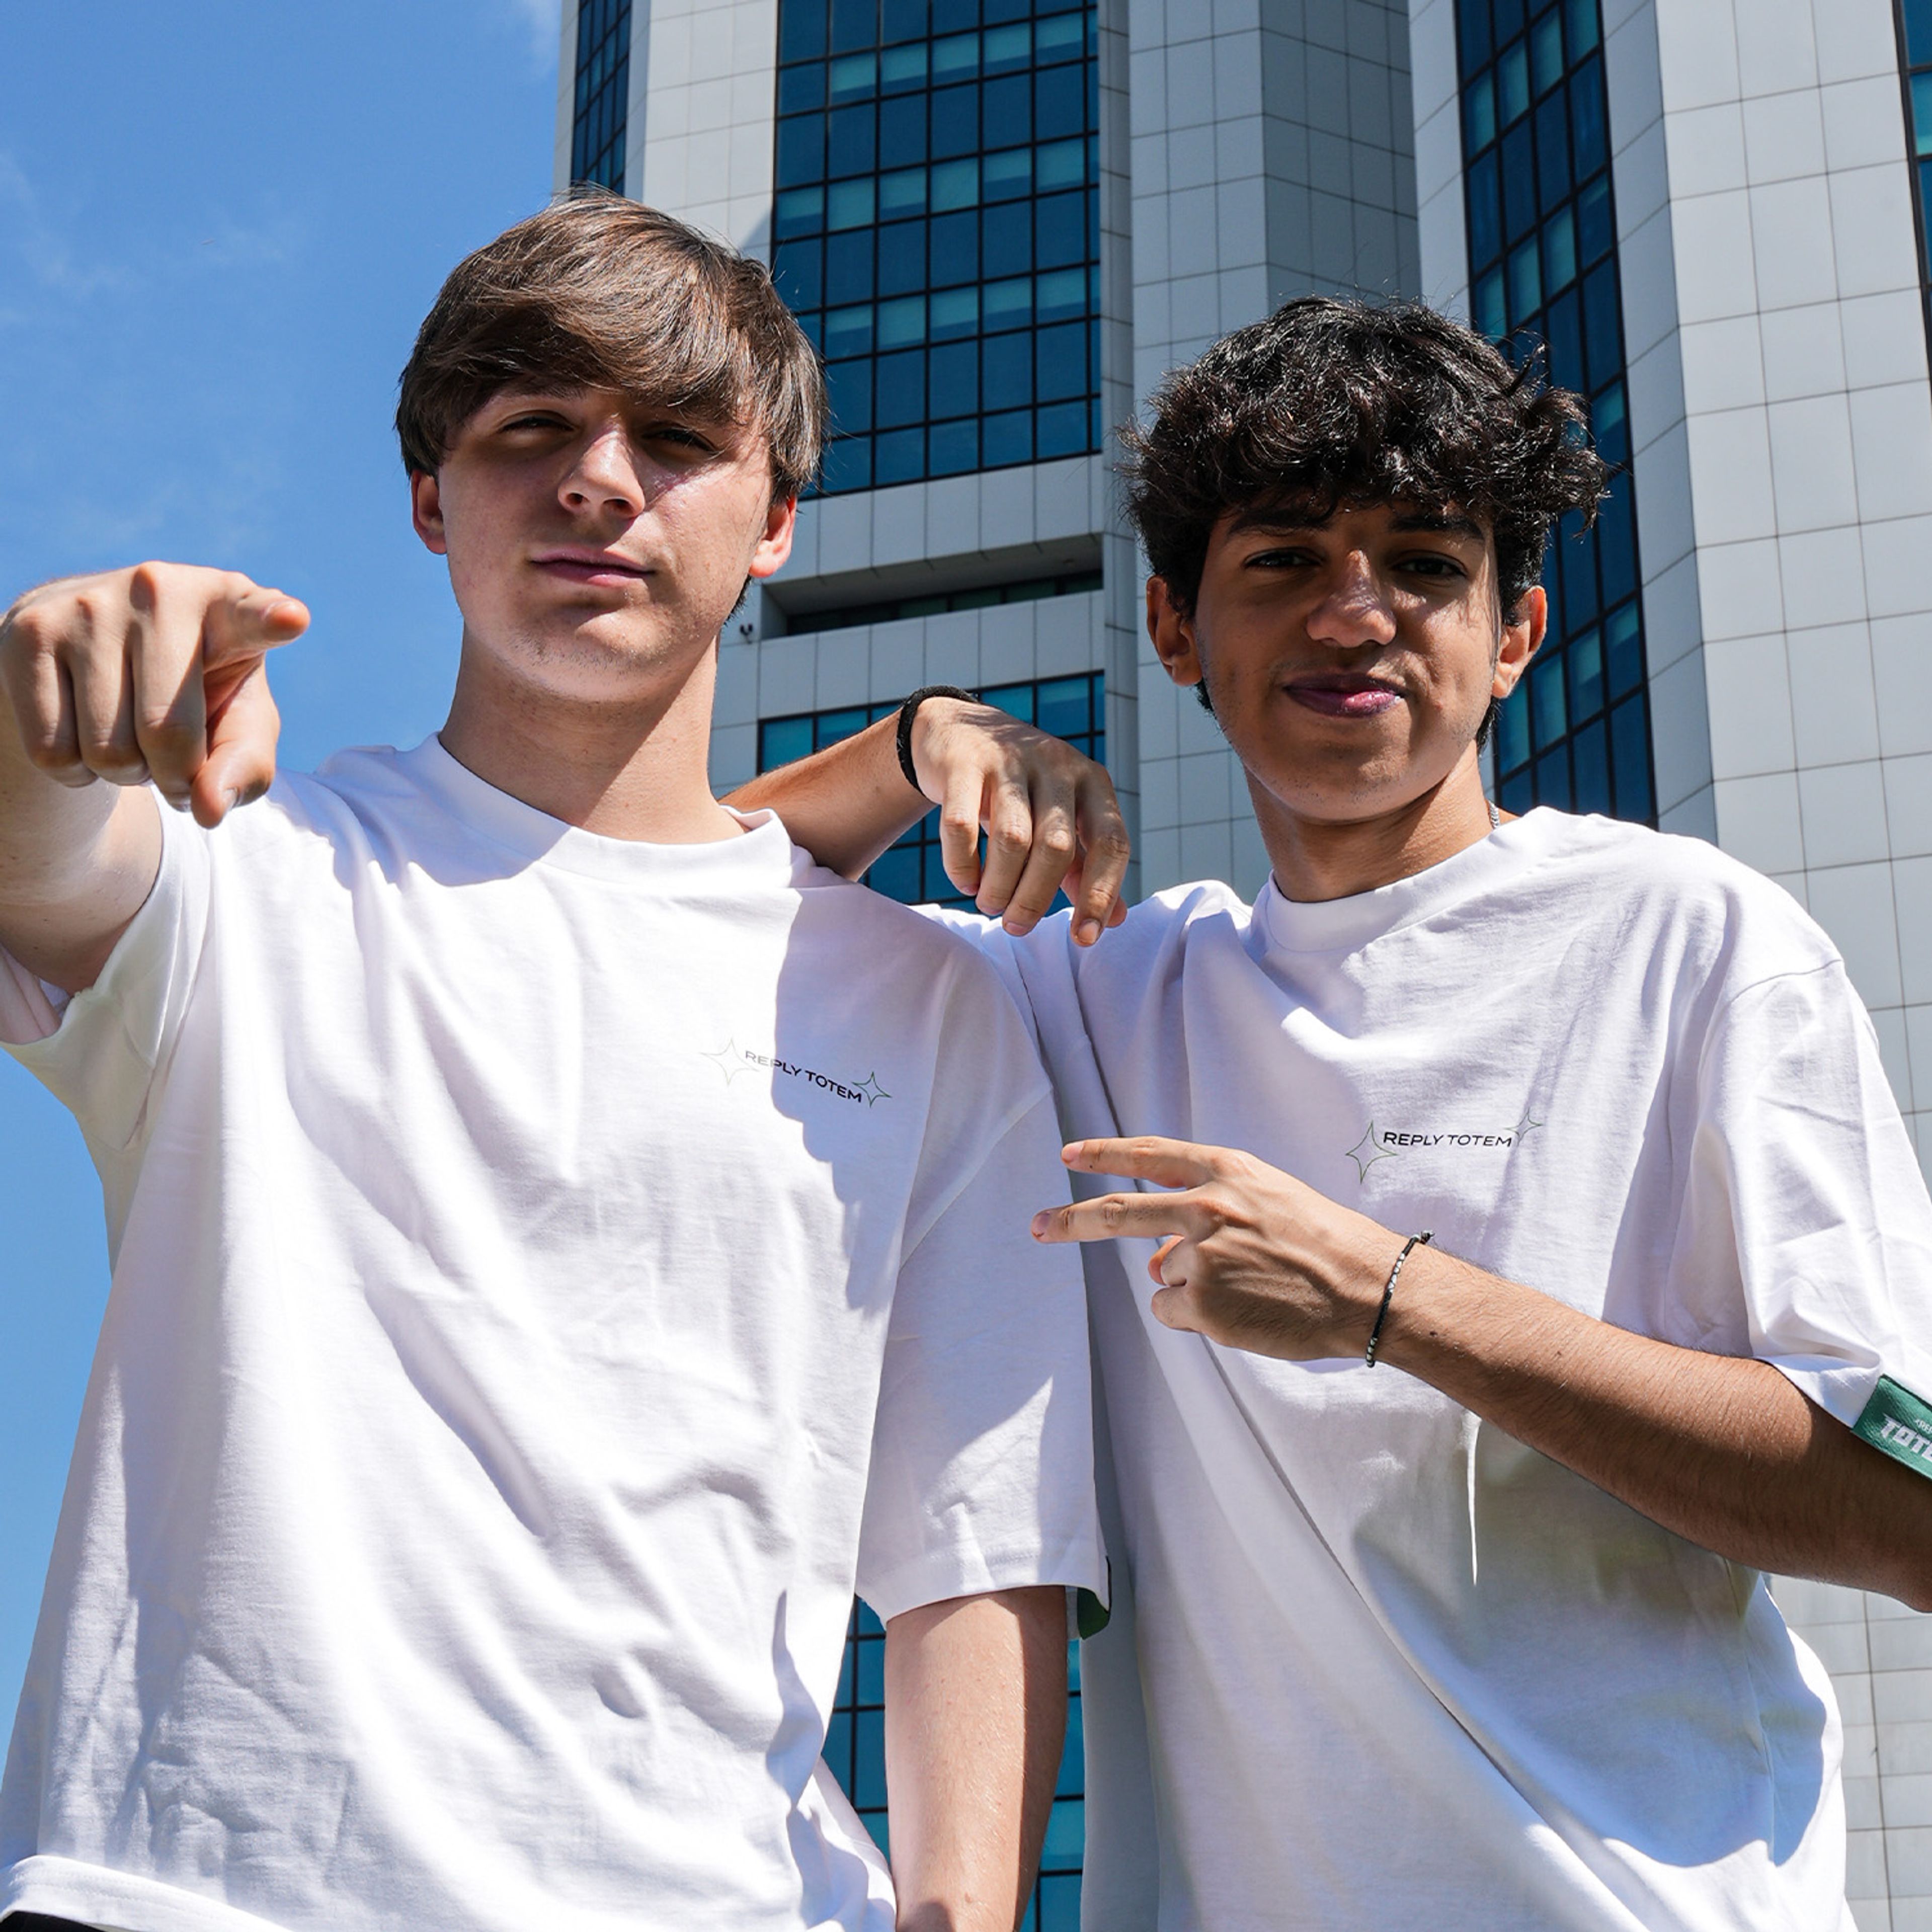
[219, 224]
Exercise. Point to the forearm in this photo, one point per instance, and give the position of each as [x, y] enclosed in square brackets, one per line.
[1724, 1451]
[845, 805]
[76, 864]
[975, 1713]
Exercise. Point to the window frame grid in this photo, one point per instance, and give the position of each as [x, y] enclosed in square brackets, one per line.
[1919, 160]
[603, 37]
[982, 365]
[855, 1755]
[1576, 733]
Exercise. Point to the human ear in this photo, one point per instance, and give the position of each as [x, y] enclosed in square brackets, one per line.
[775, 545]
[426, 512]
[1172, 635]
[1522, 638]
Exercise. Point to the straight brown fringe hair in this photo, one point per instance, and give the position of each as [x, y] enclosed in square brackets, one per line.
[600, 292]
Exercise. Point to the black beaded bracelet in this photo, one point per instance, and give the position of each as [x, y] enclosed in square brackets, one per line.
[1388, 1292]
[909, 710]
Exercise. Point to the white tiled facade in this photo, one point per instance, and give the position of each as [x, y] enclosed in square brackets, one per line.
[1781, 421]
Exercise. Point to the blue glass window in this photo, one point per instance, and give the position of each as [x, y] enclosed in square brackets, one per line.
[946, 152]
[602, 104]
[1914, 18]
[1543, 278]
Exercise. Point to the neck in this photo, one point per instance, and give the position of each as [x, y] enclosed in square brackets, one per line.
[633, 770]
[1334, 858]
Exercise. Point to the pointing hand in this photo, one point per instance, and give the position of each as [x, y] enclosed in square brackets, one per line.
[153, 672]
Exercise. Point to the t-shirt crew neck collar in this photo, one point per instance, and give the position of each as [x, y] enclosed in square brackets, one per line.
[1343, 924]
[764, 852]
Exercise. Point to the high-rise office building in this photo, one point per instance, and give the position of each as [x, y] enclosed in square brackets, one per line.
[1003, 219]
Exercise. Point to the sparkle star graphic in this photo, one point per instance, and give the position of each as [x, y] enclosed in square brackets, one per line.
[1524, 1126]
[872, 1091]
[729, 1061]
[1376, 1151]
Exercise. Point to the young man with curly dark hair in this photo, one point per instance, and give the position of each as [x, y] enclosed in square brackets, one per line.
[1534, 1236]
[563, 1240]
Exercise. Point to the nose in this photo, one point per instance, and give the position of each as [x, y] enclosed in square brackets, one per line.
[1354, 608]
[605, 474]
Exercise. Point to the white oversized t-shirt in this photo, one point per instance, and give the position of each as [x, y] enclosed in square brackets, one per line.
[549, 1272]
[1375, 1664]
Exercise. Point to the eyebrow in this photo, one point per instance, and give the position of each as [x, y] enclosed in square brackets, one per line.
[1445, 523]
[1277, 522]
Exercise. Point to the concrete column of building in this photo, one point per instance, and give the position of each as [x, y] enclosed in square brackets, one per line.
[1781, 430]
[1271, 158]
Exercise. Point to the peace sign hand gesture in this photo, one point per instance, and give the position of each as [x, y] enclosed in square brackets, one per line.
[1249, 1256]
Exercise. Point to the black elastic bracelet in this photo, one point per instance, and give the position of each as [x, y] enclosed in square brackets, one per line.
[909, 710]
[1388, 1292]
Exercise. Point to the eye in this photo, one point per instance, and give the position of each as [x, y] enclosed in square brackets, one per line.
[1284, 557]
[677, 436]
[1432, 564]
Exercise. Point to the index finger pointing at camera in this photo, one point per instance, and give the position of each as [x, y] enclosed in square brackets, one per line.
[1149, 1157]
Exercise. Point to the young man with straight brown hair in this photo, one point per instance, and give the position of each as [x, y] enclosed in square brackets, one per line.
[562, 1240]
[1537, 1255]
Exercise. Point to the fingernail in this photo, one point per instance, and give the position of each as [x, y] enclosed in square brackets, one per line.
[1041, 1223]
[1089, 930]
[230, 800]
[1071, 1152]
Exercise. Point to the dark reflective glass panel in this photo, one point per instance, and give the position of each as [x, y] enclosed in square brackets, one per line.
[936, 179]
[1544, 281]
[1914, 22]
[601, 101]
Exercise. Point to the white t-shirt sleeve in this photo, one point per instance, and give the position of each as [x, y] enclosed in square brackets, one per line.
[982, 1458]
[1040, 971]
[1803, 1178]
[100, 1053]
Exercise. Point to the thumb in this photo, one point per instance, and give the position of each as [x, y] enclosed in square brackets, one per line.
[243, 730]
[247, 619]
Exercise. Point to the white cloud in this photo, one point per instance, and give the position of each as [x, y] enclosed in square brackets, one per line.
[48, 257]
[543, 20]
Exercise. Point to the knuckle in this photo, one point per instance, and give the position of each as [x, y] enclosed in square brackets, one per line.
[168, 732]
[120, 763]
[1009, 836]
[25, 625]
[47, 751]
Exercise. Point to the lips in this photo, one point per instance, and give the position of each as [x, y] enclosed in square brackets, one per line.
[590, 566]
[1343, 695]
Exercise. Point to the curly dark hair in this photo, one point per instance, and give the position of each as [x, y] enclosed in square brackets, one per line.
[1330, 404]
